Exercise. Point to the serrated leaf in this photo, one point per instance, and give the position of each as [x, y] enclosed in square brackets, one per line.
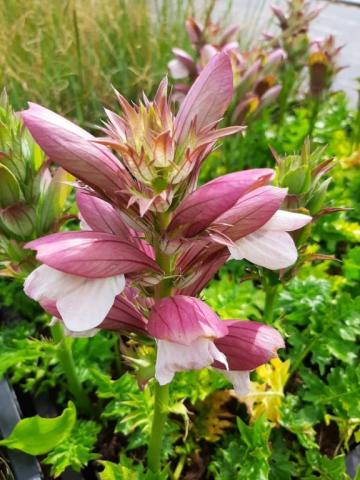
[245, 456]
[352, 264]
[126, 470]
[76, 450]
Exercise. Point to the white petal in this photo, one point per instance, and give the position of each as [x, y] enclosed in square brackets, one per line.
[46, 283]
[286, 221]
[175, 357]
[87, 306]
[239, 379]
[177, 69]
[266, 248]
[82, 302]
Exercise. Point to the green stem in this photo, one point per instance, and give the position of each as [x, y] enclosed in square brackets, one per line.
[161, 401]
[157, 429]
[118, 358]
[299, 360]
[288, 82]
[270, 298]
[66, 360]
[313, 117]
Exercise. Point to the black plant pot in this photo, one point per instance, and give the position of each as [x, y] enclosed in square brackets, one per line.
[23, 466]
[353, 462]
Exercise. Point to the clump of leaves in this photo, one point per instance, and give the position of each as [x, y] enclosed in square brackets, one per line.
[34, 361]
[76, 451]
[198, 385]
[132, 410]
[351, 265]
[245, 455]
[232, 299]
[319, 326]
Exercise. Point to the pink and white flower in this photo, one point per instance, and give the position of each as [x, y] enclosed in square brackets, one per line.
[83, 303]
[246, 346]
[185, 329]
[83, 272]
[107, 275]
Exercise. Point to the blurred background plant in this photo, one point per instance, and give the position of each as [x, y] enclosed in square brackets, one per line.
[33, 202]
[67, 55]
[255, 70]
[32, 195]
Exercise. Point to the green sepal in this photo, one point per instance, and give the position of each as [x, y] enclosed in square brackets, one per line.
[10, 190]
[298, 181]
[19, 220]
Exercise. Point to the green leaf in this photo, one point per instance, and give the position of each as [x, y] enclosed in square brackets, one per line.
[281, 467]
[328, 468]
[300, 421]
[113, 471]
[352, 264]
[38, 435]
[231, 299]
[132, 409]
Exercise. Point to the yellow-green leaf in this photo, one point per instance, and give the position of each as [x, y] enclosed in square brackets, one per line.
[38, 435]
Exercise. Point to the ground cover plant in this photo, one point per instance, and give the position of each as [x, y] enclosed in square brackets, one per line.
[181, 287]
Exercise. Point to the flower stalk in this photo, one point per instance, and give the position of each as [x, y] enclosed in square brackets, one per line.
[158, 426]
[161, 393]
[270, 300]
[66, 360]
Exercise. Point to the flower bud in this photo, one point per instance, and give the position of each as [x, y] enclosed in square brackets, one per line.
[19, 220]
[302, 176]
